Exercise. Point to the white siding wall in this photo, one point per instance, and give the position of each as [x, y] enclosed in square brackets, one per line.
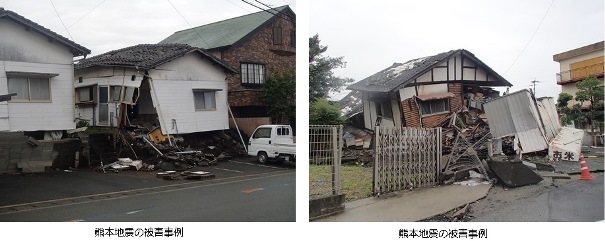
[27, 51]
[174, 83]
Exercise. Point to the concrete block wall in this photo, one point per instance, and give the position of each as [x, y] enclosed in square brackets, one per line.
[326, 206]
[15, 151]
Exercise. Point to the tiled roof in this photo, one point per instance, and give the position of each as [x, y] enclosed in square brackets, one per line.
[76, 49]
[145, 56]
[400, 74]
[227, 32]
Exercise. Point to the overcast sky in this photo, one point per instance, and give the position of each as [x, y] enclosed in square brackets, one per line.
[105, 25]
[372, 35]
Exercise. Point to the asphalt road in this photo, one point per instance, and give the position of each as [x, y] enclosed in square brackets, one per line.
[242, 191]
[580, 201]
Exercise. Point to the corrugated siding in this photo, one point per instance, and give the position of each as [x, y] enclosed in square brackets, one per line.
[550, 118]
[515, 114]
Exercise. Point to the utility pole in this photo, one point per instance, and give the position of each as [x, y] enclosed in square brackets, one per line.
[534, 83]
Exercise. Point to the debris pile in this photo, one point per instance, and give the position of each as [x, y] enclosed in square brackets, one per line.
[145, 148]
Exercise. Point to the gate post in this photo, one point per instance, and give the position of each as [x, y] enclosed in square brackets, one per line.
[336, 163]
[376, 151]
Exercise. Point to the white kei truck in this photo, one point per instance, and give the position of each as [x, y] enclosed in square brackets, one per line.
[272, 142]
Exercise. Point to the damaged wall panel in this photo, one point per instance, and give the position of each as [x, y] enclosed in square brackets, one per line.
[550, 117]
[516, 114]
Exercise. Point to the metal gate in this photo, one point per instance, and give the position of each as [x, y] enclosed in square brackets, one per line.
[406, 158]
[325, 148]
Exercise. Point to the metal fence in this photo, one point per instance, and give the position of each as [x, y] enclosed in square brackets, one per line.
[325, 153]
[406, 158]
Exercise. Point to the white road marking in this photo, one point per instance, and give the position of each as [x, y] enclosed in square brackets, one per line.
[228, 170]
[133, 212]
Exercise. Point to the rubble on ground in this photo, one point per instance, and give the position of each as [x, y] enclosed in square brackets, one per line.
[145, 148]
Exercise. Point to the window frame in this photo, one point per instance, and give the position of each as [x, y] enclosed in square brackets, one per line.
[203, 95]
[262, 130]
[261, 73]
[28, 78]
[431, 104]
[93, 91]
[278, 35]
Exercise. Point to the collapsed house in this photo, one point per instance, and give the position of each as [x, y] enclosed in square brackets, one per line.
[534, 126]
[175, 87]
[423, 92]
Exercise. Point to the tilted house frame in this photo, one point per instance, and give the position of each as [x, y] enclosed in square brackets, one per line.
[180, 88]
[259, 45]
[36, 73]
[425, 91]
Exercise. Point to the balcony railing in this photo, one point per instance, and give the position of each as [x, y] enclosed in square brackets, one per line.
[578, 74]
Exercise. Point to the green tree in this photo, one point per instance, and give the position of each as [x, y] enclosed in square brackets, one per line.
[321, 77]
[591, 90]
[280, 97]
[565, 112]
[322, 112]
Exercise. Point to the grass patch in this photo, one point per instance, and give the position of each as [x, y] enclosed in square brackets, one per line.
[355, 181]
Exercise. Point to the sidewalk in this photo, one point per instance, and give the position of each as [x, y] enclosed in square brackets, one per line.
[419, 204]
[410, 206]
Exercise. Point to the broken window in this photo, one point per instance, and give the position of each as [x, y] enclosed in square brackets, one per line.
[131, 94]
[253, 73]
[430, 107]
[383, 108]
[277, 35]
[204, 99]
[29, 88]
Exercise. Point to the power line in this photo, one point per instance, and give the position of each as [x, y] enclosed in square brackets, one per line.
[238, 6]
[278, 14]
[86, 14]
[192, 28]
[51, 2]
[532, 37]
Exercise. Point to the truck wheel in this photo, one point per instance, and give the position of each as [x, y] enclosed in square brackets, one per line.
[262, 157]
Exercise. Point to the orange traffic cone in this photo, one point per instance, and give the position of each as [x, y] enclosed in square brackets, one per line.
[585, 172]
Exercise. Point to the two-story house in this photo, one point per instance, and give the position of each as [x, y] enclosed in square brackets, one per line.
[258, 45]
[423, 92]
[576, 65]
